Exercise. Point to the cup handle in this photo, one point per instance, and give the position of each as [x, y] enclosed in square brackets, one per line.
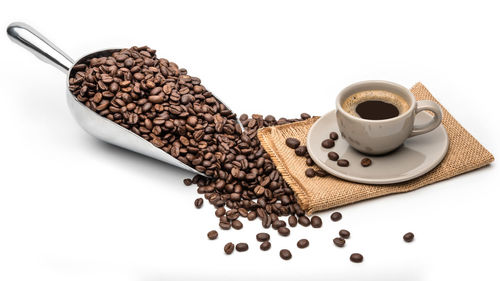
[431, 125]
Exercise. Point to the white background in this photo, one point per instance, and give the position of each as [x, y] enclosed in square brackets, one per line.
[74, 208]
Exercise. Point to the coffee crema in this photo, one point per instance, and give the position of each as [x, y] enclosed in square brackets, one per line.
[375, 105]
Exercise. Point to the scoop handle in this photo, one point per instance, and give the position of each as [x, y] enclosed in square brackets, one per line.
[30, 39]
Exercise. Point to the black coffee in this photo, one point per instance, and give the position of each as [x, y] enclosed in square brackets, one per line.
[376, 110]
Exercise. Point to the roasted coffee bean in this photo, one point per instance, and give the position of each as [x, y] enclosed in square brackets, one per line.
[305, 116]
[357, 258]
[285, 254]
[241, 247]
[408, 237]
[212, 235]
[236, 224]
[328, 143]
[309, 162]
[225, 225]
[278, 223]
[365, 162]
[321, 173]
[310, 173]
[284, 231]
[198, 203]
[219, 212]
[303, 243]
[336, 216]
[188, 182]
[334, 135]
[304, 221]
[229, 248]
[261, 237]
[333, 156]
[342, 162]
[316, 222]
[301, 150]
[266, 245]
[344, 233]
[339, 242]
[292, 221]
[292, 143]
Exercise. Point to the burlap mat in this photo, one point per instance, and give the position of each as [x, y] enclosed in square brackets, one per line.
[314, 194]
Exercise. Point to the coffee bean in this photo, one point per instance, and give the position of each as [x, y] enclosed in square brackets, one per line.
[292, 220]
[316, 222]
[305, 116]
[188, 182]
[284, 231]
[304, 221]
[241, 247]
[301, 150]
[339, 242]
[229, 248]
[333, 156]
[236, 224]
[336, 216]
[321, 173]
[212, 235]
[328, 143]
[342, 162]
[198, 203]
[365, 162]
[278, 223]
[334, 135]
[219, 212]
[285, 254]
[408, 237]
[310, 173]
[357, 258]
[303, 243]
[266, 245]
[309, 162]
[261, 237]
[292, 142]
[225, 225]
[344, 233]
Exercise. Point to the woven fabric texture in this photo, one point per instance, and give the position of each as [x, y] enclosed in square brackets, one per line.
[319, 193]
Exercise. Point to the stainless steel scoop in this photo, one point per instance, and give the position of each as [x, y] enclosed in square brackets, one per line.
[94, 124]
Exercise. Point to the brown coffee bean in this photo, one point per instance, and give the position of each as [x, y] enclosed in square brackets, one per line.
[334, 135]
[219, 212]
[284, 231]
[236, 224]
[266, 245]
[292, 220]
[310, 173]
[328, 143]
[198, 203]
[336, 216]
[229, 248]
[305, 116]
[278, 223]
[309, 162]
[344, 233]
[187, 182]
[321, 173]
[285, 254]
[357, 258]
[316, 222]
[339, 242]
[241, 247]
[304, 221]
[365, 162]
[292, 143]
[261, 237]
[303, 243]
[225, 225]
[342, 162]
[333, 156]
[408, 237]
[301, 150]
[212, 235]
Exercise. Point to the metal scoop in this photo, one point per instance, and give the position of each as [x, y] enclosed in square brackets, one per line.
[94, 124]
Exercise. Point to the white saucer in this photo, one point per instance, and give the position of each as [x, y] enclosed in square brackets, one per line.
[415, 157]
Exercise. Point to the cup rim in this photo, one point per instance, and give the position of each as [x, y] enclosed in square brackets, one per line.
[379, 82]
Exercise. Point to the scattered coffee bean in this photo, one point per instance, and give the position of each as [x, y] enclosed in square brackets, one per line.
[266, 245]
[333, 156]
[321, 173]
[241, 247]
[292, 143]
[261, 237]
[365, 162]
[285, 254]
[339, 242]
[344, 233]
[278, 223]
[334, 135]
[303, 243]
[357, 258]
[310, 173]
[304, 221]
[305, 116]
[292, 220]
[229, 248]
[236, 224]
[198, 203]
[212, 235]
[336, 216]
[301, 150]
[316, 222]
[328, 143]
[284, 231]
[342, 162]
[408, 237]
[187, 182]
[309, 161]
[225, 225]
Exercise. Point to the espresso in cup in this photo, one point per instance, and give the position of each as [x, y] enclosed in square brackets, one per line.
[375, 105]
